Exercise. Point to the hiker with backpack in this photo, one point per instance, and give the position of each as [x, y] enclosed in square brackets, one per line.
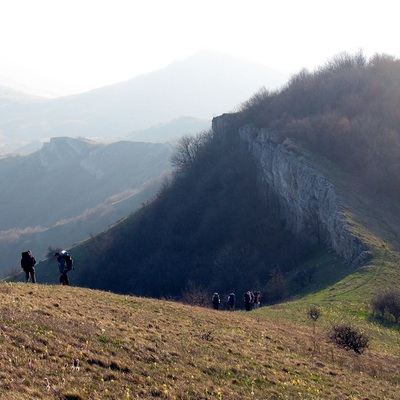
[65, 264]
[248, 300]
[28, 265]
[232, 301]
[216, 301]
[257, 299]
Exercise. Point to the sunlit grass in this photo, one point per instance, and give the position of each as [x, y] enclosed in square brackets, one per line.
[71, 343]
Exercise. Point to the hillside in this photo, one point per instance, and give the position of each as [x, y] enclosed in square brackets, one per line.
[201, 86]
[265, 204]
[146, 254]
[71, 189]
[159, 249]
[72, 343]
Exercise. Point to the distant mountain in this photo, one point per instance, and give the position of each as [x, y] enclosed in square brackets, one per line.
[171, 131]
[25, 89]
[10, 96]
[71, 189]
[15, 106]
[201, 86]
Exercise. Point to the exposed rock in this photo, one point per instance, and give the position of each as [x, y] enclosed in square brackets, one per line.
[363, 258]
[60, 150]
[308, 202]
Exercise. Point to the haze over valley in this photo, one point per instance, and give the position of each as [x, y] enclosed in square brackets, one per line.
[109, 144]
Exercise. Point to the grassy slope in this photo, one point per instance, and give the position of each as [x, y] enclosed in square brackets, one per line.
[131, 347]
[377, 225]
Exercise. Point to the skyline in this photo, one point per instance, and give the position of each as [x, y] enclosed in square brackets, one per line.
[68, 47]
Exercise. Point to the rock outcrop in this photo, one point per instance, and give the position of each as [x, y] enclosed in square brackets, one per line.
[308, 202]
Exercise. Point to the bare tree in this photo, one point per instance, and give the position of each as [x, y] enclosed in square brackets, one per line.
[314, 313]
[187, 150]
[277, 285]
[388, 304]
[195, 295]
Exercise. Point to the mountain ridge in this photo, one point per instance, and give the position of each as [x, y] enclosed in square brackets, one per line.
[199, 87]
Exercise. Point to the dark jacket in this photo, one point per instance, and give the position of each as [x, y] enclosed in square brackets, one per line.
[27, 261]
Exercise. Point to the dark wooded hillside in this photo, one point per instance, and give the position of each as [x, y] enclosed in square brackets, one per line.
[208, 226]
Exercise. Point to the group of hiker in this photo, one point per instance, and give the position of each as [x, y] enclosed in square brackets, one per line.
[251, 300]
[64, 260]
[65, 264]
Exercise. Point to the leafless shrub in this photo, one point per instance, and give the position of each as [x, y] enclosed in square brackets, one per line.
[387, 304]
[195, 295]
[277, 285]
[349, 338]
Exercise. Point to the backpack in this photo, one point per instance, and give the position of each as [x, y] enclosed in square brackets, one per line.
[69, 262]
[231, 299]
[27, 261]
[215, 299]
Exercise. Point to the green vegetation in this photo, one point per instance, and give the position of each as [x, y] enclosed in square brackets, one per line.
[63, 342]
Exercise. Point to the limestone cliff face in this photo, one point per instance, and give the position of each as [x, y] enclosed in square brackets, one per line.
[308, 202]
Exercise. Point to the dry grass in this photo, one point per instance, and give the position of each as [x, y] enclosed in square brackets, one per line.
[62, 342]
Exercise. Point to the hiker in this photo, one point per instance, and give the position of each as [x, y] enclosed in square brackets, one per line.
[65, 264]
[257, 299]
[248, 301]
[232, 301]
[28, 265]
[216, 301]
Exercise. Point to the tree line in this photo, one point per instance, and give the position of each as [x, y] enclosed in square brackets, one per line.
[348, 110]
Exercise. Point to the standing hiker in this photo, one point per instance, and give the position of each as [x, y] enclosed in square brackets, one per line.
[232, 301]
[215, 301]
[28, 265]
[65, 264]
[248, 300]
[257, 299]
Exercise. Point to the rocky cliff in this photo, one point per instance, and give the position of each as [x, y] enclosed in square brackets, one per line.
[308, 202]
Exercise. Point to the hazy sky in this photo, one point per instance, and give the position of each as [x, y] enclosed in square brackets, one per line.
[70, 46]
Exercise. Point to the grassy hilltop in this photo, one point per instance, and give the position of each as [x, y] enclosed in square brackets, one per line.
[71, 343]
